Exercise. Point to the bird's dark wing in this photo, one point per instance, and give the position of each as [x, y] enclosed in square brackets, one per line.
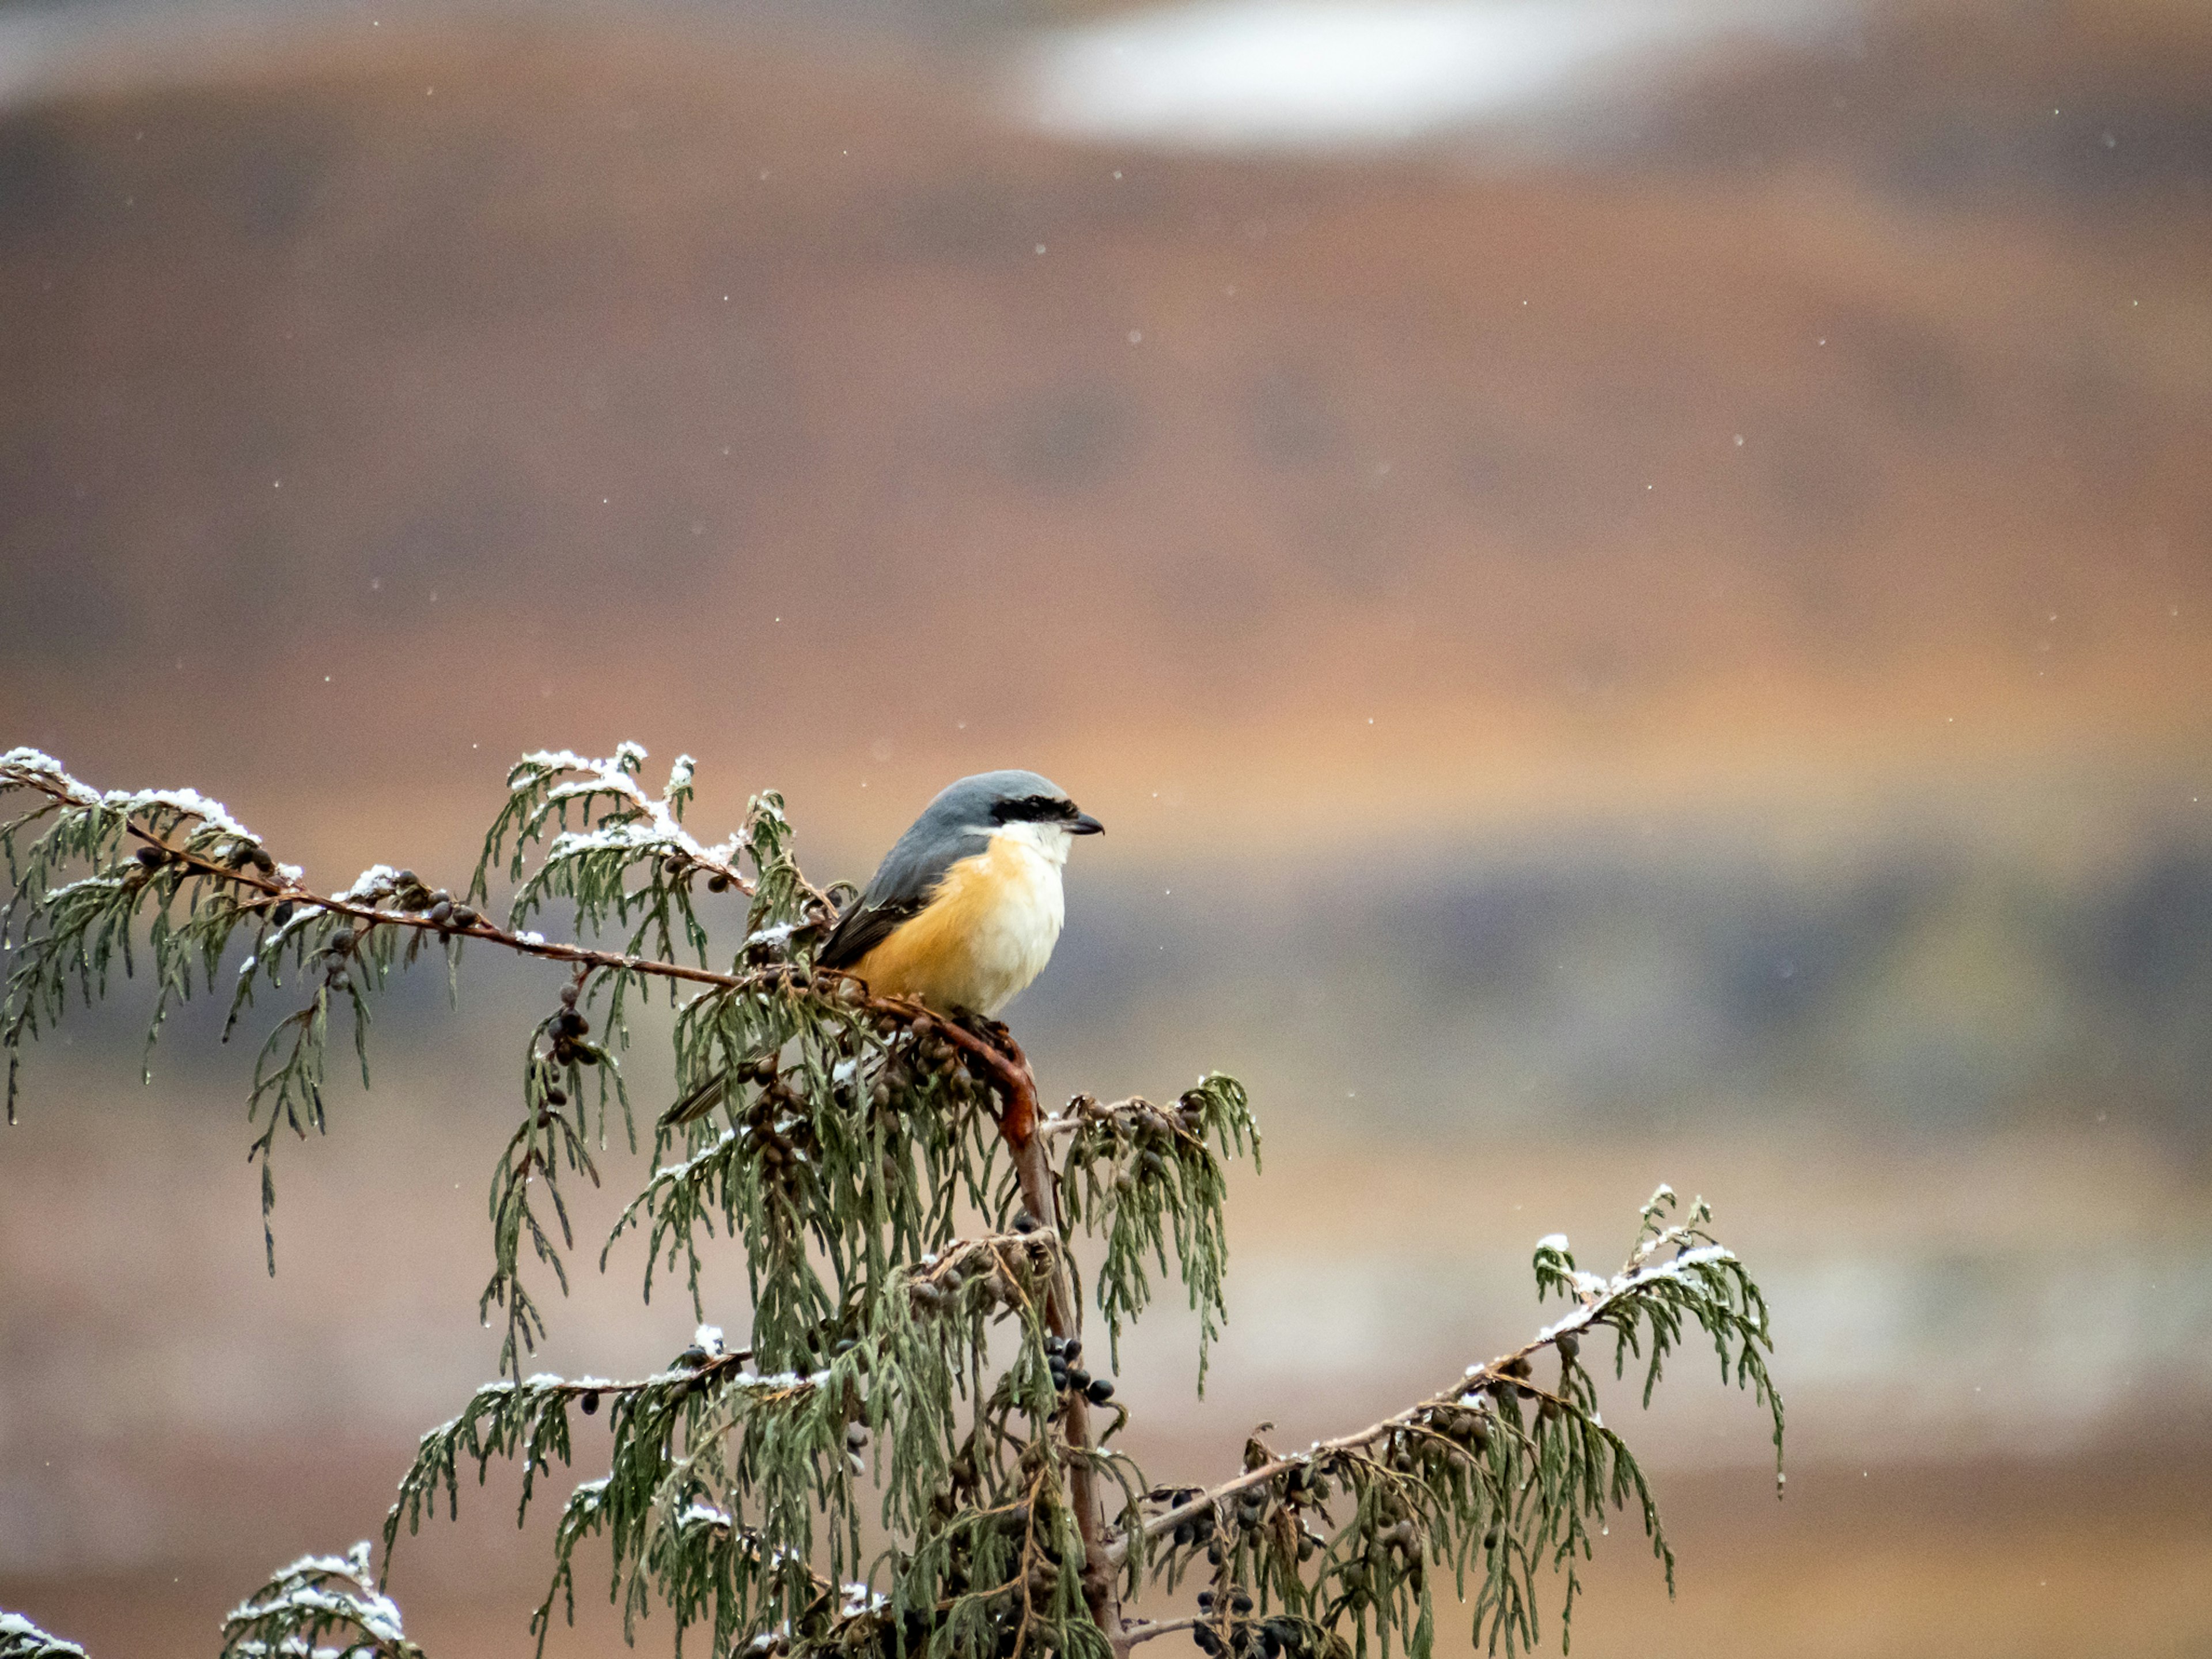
[861, 928]
[908, 876]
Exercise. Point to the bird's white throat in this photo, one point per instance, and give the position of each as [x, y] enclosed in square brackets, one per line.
[1049, 842]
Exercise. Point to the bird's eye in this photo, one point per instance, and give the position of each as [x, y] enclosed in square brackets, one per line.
[1033, 809]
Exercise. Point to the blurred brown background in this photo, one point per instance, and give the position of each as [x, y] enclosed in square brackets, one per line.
[1633, 582]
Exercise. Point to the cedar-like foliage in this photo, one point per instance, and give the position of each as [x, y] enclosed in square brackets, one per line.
[911, 1226]
[21, 1640]
[316, 1596]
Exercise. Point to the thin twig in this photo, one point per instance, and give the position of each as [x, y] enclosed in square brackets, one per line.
[1474, 1380]
[1145, 1628]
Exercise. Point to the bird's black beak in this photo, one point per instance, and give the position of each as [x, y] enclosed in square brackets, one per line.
[1083, 824]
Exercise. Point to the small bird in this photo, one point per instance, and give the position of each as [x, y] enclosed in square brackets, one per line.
[964, 910]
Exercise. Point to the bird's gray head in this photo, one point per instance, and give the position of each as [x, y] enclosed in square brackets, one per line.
[991, 801]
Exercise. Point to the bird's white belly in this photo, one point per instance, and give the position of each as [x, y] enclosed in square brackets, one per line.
[1014, 938]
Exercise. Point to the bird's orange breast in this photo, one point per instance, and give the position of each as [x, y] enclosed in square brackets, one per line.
[987, 931]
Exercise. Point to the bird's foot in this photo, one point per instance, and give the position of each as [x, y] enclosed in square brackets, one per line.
[993, 1031]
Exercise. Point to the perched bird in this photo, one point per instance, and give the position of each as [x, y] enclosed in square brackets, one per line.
[964, 910]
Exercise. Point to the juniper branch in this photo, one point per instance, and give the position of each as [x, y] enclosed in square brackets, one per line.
[1462, 1464]
[318, 1595]
[21, 1640]
[185, 841]
[835, 1134]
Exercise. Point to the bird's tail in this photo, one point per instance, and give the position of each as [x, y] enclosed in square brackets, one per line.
[695, 1105]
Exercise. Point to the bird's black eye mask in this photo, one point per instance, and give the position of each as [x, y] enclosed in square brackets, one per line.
[1035, 808]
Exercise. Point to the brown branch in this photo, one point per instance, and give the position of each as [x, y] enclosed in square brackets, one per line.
[730, 1359]
[1497, 1372]
[1033, 1174]
[275, 891]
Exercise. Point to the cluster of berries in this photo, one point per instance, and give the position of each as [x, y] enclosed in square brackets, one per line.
[244, 855]
[679, 865]
[151, 859]
[934, 1052]
[779, 1138]
[1467, 1427]
[1511, 1382]
[1239, 1635]
[567, 1030]
[994, 1266]
[1296, 1488]
[337, 955]
[406, 893]
[1151, 1138]
[1061, 1354]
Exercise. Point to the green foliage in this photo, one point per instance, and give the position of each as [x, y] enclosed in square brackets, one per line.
[1144, 1177]
[165, 857]
[840, 1144]
[316, 1596]
[1494, 1479]
[721, 1473]
[199, 881]
[620, 832]
[914, 1373]
[1703, 1281]
[21, 1640]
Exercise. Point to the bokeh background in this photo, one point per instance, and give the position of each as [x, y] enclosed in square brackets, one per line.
[1632, 580]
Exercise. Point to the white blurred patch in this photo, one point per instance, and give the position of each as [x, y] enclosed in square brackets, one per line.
[1305, 75]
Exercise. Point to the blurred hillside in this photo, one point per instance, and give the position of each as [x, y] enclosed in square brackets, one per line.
[490, 348]
[1772, 559]
[1669, 637]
